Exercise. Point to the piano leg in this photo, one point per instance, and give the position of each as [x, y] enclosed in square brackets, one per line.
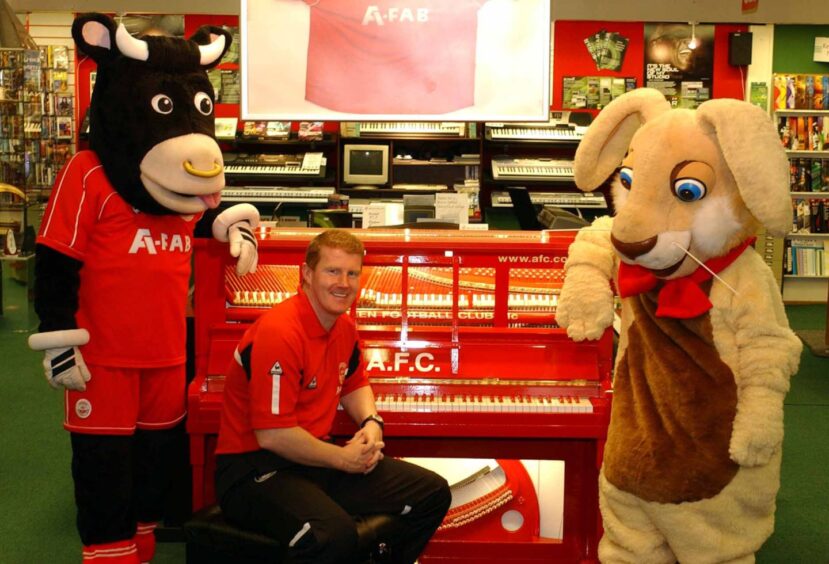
[197, 457]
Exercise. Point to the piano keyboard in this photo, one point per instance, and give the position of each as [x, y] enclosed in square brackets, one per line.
[474, 403]
[520, 132]
[531, 169]
[426, 129]
[276, 194]
[560, 199]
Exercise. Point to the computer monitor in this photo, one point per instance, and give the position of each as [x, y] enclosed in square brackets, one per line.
[366, 164]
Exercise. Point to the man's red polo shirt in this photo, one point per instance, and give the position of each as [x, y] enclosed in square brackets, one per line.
[288, 371]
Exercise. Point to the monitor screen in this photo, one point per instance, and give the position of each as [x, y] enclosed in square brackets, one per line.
[366, 164]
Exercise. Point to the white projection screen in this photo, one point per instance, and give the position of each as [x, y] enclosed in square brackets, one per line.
[395, 60]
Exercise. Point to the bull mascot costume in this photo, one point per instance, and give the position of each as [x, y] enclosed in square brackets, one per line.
[113, 270]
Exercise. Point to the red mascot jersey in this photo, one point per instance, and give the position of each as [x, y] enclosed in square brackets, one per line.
[288, 371]
[136, 268]
[392, 56]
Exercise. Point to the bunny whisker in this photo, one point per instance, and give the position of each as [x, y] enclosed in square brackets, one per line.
[699, 262]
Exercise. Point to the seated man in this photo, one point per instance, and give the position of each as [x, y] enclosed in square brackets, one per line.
[277, 472]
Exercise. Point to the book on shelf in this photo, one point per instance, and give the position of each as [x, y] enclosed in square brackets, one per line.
[60, 57]
[225, 127]
[810, 215]
[801, 91]
[278, 129]
[64, 127]
[255, 129]
[807, 257]
[63, 105]
[54, 56]
[60, 81]
[310, 130]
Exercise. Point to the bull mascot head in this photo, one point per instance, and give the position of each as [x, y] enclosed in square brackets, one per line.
[151, 114]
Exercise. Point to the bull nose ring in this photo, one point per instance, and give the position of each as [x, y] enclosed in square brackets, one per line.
[215, 171]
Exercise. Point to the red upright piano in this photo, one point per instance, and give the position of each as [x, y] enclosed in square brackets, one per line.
[460, 343]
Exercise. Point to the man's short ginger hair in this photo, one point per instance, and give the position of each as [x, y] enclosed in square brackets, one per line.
[333, 239]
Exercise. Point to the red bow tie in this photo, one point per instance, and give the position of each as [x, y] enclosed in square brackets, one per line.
[681, 298]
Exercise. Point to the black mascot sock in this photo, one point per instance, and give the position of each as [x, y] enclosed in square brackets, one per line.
[156, 456]
[102, 470]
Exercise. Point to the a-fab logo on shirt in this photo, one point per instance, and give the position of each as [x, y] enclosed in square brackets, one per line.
[145, 240]
[376, 16]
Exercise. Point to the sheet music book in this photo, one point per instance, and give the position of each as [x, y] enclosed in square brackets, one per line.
[255, 129]
[278, 129]
[310, 130]
[226, 127]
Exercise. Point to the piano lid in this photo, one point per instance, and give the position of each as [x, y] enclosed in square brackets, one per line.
[407, 240]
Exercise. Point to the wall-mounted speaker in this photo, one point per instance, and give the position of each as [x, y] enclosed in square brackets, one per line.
[739, 48]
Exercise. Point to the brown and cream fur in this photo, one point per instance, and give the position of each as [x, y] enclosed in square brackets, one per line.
[692, 462]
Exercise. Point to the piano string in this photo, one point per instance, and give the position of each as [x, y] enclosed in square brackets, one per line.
[532, 297]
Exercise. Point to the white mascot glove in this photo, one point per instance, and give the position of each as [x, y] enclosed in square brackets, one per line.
[63, 362]
[235, 225]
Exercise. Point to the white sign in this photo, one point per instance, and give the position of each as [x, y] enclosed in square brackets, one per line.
[821, 49]
[451, 207]
[433, 60]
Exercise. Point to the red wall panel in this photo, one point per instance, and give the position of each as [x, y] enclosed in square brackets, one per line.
[571, 57]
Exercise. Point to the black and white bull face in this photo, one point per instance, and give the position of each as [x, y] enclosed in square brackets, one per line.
[151, 116]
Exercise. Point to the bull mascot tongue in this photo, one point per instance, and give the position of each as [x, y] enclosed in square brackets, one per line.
[112, 273]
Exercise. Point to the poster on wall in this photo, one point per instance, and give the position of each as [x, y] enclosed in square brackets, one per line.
[678, 67]
[593, 92]
[607, 49]
[465, 60]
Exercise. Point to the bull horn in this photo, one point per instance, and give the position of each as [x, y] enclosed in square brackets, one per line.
[212, 51]
[130, 46]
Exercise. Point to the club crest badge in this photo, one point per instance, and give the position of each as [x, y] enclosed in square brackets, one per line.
[312, 385]
[83, 408]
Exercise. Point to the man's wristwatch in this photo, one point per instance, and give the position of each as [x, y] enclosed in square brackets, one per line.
[373, 417]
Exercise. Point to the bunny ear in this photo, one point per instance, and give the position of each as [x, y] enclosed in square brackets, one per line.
[753, 152]
[608, 137]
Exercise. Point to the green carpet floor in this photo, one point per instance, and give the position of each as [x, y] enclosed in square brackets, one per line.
[37, 523]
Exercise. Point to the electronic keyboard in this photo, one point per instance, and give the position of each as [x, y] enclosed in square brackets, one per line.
[531, 169]
[535, 132]
[425, 129]
[276, 194]
[559, 199]
[258, 166]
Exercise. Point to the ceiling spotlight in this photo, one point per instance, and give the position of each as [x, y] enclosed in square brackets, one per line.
[693, 43]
